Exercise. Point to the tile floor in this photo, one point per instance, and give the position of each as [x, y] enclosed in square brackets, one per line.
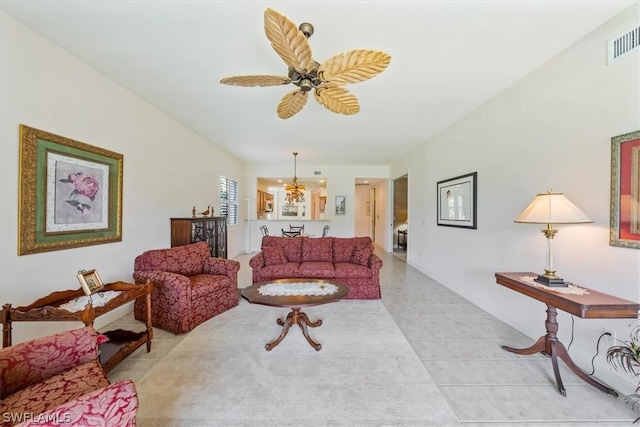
[483, 384]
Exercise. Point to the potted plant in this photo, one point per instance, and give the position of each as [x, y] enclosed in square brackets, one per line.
[626, 357]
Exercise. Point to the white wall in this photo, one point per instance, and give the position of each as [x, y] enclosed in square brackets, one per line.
[551, 130]
[167, 168]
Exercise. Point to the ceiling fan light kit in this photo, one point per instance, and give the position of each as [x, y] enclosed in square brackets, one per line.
[325, 79]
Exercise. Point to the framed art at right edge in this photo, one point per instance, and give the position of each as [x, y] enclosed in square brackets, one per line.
[624, 222]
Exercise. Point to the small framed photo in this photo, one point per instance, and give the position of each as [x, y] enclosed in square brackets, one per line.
[457, 201]
[90, 282]
[341, 205]
[290, 210]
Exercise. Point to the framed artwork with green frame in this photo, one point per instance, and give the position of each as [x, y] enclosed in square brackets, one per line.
[70, 193]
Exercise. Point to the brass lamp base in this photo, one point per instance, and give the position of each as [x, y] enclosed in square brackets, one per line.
[554, 282]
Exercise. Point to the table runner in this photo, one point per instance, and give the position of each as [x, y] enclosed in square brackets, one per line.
[297, 288]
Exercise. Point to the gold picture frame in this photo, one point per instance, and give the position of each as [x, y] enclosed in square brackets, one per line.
[624, 220]
[70, 193]
[90, 282]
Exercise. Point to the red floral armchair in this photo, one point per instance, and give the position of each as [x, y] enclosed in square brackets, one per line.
[189, 286]
[57, 380]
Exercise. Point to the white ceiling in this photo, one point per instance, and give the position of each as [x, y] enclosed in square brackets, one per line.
[448, 58]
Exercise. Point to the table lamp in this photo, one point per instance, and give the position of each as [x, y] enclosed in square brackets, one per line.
[551, 208]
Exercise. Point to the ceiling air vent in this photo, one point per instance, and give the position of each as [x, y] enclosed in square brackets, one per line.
[624, 43]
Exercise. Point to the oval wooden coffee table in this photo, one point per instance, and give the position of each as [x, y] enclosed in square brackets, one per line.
[296, 303]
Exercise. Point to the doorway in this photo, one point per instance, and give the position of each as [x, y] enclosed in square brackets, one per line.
[400, 216]
[363, 209]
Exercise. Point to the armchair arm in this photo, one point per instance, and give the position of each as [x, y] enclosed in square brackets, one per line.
[375, 263]
[222, 266]
[114, 405]
[257, 261]
[168, 286]
[36, 360]
[162, 279]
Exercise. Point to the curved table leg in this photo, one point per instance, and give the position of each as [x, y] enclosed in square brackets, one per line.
[296, 317]
[564, 355]
[550, 346]
[306, 320]
[286, 325]
[537, 347]
[316, 346]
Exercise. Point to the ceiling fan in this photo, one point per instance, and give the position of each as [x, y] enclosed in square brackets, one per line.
[327, 79]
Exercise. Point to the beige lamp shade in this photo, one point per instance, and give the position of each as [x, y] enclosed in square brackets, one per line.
[552, 208]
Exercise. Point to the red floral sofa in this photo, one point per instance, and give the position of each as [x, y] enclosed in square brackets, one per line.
[57, 380]
[349, 261]
[189, 286]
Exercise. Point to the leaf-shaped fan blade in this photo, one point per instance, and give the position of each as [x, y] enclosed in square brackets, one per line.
[291, 104]
[353, 66]
[337, 99]
[288, 42]
[262, 81]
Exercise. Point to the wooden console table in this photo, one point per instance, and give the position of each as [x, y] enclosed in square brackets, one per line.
[121, 342]
[594, 305]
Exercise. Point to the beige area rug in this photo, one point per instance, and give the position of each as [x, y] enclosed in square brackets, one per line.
[365, 375]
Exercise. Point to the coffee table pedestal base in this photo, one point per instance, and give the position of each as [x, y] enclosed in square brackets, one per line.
[296, 317]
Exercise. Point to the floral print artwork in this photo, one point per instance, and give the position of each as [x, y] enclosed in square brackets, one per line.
[79, 193]
[83, 185]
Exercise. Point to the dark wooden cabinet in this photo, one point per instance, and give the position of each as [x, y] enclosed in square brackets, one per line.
[212, 230]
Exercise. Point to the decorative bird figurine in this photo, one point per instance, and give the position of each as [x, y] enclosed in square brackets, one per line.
[206, 213]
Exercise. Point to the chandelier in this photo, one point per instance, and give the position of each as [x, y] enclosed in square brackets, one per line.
[295, 191]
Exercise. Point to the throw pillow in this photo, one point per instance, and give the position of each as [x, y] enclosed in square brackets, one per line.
[273, 255]
[361, 254]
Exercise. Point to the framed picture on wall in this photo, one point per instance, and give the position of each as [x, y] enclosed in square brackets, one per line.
[624, 220]
[290, 210]
[70, 193]
[341, 205]
[457, 201]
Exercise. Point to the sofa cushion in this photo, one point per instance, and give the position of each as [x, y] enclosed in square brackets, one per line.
[347, 270]
[292, 246]
[205, 284]
[317, 249]
[361, 254]
[186, 260]
[343, 247]
[280, 271]
[317, 269]
[58, 389]
[274, 255]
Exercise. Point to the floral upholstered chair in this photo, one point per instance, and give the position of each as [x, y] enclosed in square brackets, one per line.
[57, 380]
[189, 286]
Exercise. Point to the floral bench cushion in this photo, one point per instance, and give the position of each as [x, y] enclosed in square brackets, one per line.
[115, 405]
[28, 363]
[56, 390]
